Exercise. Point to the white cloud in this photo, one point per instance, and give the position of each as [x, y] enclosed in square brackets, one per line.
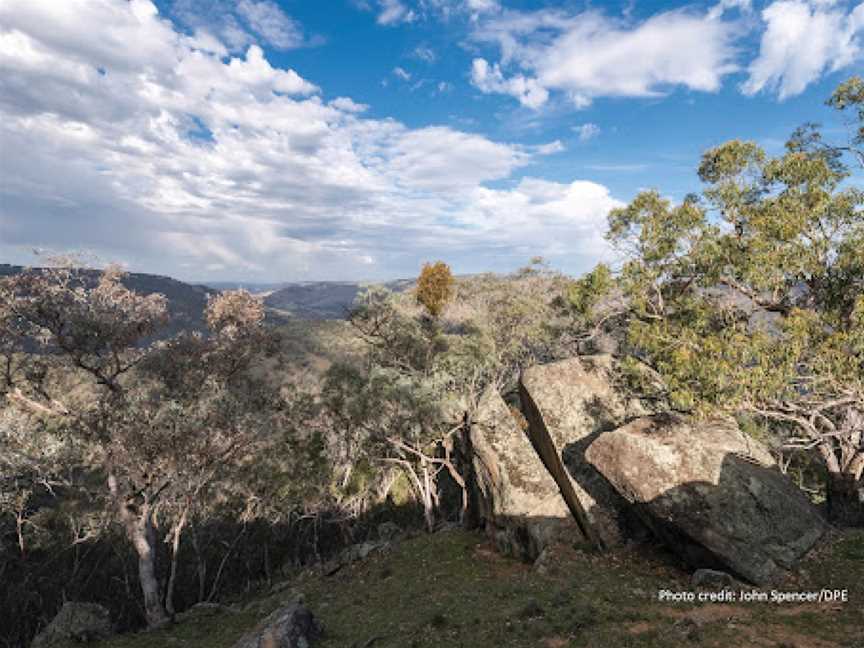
[268, 20]
[442, 159]
[802, 41]
[483, 6]
[176, 159]
[489, 79]
[549, 149]
[555, 218]
[590, 55]
[425, 53]
[724, 6]
[347, 104]
[401, 73]
[587, 131]
[394, 12]
[241, 23]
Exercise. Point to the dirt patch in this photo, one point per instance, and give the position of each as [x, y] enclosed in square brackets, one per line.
[641, 627]
[712, 613]
[775, 635]
[798, 610]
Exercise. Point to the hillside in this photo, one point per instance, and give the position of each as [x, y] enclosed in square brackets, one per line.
[186, 302]
[309, 300]
[452, 589]
[321, 300]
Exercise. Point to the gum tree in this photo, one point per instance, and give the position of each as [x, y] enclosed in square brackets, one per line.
[420, 379]
[750, 297]
[163, 420]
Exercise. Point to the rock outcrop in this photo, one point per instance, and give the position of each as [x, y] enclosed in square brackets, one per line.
[290, 626]
[711, 493]
[512, 494]
[568, 405]
[354, 553]
[75, 622]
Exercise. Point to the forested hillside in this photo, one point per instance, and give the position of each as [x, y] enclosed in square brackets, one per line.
[482, 460]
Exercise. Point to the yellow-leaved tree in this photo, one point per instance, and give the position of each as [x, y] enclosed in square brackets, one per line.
[435, 287]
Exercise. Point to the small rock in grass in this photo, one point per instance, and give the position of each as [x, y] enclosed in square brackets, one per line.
[711, 578]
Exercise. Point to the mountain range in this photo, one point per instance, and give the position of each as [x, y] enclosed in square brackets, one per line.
[307, 300]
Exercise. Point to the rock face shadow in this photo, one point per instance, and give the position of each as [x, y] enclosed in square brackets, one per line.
[606, 506]
[753, 522]
[714, 508]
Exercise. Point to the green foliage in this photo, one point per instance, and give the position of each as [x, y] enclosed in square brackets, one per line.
[849, 96]
[586, 293]
[750, 297]
[420, 377]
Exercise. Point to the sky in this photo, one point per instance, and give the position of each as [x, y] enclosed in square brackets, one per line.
[293, 140]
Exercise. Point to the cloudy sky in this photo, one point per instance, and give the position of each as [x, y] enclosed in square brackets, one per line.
[282, 140]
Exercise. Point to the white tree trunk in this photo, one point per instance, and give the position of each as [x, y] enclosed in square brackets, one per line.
[138, 521]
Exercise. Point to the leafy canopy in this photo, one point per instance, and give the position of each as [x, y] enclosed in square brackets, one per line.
[749, 297]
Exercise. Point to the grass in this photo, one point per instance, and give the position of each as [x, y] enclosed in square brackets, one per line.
[451, 589]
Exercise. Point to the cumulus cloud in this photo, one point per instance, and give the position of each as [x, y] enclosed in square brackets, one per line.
[348, 105]
[590, 55]
[558, 218]
[803, 40]
[489, 79]
[176, 156]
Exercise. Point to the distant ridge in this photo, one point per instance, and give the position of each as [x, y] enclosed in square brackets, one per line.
[305, 300]
[186, 302]
[322, 300]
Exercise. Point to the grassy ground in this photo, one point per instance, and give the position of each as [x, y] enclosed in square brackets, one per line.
[451, 589]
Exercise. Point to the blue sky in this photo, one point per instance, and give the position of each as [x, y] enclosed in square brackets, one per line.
[280, 140]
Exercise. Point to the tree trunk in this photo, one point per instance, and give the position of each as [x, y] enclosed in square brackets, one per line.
[845, 493]
[143, 537]
[428, 502]
[19, 530]
[175, 549]
[138, 520]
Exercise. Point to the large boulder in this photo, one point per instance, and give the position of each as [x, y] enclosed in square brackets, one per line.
[77, 623]
[712, 493]
[569, 404]
[290, 626]
[512, 494]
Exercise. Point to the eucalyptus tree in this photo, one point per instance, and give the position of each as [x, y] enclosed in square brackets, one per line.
[163, 420]
[419, 378]
[750, 297]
